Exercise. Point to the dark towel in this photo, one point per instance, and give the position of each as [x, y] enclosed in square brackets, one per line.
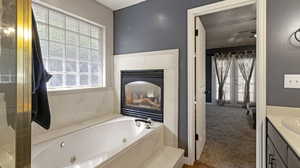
[40, 105]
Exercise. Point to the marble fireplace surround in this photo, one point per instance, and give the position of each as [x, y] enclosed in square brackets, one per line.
[166, 60]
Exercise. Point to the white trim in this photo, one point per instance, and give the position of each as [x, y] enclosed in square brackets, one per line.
[173, 52]
[260, 76]
[166, 60]
[39, 2]
[261, 80]
[77, 90]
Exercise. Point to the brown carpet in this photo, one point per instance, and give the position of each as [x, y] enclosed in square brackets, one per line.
[230, 140]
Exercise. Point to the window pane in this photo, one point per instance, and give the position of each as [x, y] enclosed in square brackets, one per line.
[40, 13]
[71, 66]
[84, 54]
[84, 28]
[71, 80]
[72, 38]
[56, 80]
[44, 48]
[94, 44]
[95, 32]
[83, 67]
[95, 80]
[95, 56]
[84, 41]
[55, 65]
[72, 24]
[43, 31]
[84, 79]
[56, 50]
[56, 19]
[95, 68]
[71, 52]
[57, 35]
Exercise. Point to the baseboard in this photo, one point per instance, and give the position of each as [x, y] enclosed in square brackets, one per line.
[187, 161]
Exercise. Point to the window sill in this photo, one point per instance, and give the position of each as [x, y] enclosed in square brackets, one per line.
[64, 91]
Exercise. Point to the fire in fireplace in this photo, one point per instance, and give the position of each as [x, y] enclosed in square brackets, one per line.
[142, 94]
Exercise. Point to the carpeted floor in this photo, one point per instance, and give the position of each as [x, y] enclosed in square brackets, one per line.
[230, 140]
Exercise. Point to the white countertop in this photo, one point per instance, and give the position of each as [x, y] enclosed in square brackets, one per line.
[276, 115]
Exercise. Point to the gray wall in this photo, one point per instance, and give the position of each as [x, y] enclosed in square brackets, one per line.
[283, 58]
[161, 24]
[157, 25]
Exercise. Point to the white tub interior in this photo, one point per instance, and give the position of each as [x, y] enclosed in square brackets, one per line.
[89, 147]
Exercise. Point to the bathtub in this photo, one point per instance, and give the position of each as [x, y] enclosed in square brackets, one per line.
[112, 144]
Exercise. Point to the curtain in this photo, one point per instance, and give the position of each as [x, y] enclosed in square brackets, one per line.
[246, 64]
[222, 65]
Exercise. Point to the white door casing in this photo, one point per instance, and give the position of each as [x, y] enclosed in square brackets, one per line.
[261, 6]
[200, 84]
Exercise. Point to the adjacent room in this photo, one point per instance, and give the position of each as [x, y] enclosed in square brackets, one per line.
[229, 86]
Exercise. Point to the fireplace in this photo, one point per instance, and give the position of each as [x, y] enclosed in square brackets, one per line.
[142, 94]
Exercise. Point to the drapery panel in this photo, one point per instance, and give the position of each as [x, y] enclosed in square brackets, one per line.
[222, 66]
[246, 63]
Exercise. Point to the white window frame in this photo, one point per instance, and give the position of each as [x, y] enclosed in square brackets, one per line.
[104, 56]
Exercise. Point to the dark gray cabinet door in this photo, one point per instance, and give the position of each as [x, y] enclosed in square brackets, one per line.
[293, 160]
[270, 153]
[274, 160]
[278, 142]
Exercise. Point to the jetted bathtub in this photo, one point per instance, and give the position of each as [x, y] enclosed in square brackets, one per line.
[112, 144]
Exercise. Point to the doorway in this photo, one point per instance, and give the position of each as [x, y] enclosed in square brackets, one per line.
[225, 107]
[230, 99]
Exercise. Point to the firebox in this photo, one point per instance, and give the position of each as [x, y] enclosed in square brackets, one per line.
[142, 94]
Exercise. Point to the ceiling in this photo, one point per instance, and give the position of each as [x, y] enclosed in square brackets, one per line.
[232, 28]
[119, 4]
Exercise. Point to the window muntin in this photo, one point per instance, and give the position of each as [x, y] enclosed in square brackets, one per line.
[72, 49]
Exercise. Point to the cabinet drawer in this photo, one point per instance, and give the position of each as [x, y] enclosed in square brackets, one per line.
[293, 160]
[279, 143]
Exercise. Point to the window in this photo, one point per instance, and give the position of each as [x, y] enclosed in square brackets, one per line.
[234, 85]
[72, 49]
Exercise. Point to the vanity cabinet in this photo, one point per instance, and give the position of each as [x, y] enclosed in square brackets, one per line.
[293, 160]
[273, 157]
[279, 153]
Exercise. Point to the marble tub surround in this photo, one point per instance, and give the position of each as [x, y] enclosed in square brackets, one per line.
[71, 107]
[135, 155]
[276, 116]
[53, 134]
[167, 157]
